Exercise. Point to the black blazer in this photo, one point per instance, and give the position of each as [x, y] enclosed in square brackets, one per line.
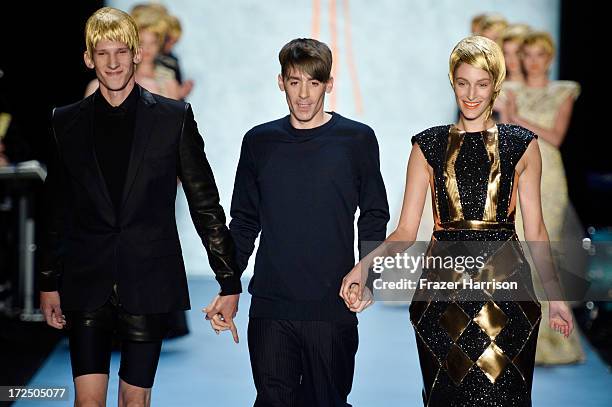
[89, 245]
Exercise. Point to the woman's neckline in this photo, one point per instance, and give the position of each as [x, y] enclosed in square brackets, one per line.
[488, 130]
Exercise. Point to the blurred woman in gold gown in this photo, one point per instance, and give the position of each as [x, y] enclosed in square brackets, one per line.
[545, 107]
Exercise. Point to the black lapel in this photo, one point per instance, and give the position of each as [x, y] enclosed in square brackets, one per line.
[145, 118]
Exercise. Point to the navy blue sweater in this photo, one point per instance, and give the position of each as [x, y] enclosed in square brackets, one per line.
[301, 189]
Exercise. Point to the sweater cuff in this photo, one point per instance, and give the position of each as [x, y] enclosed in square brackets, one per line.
[230, 286]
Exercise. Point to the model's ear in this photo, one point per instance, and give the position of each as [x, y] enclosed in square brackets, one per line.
[137, 56]
[281, 83]
[329, 85]
[88, 61]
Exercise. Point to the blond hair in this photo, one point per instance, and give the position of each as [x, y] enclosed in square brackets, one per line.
[483, 53]
[476, 24]
[137, 9]
[174, 26]
[514, 32]
[110, 24]
[153, 20]
[495, 22]
[542, 39]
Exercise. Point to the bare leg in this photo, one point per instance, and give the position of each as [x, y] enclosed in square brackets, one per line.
[90, 390]
[133, 396]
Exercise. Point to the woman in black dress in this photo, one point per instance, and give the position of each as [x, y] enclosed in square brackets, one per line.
[476, 348]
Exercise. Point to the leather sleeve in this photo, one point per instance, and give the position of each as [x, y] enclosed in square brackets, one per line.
[53, 220]
[203, 200]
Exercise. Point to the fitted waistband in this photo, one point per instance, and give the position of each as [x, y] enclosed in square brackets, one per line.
[474, 225]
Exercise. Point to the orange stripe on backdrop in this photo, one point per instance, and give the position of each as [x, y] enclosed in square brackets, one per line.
[350, 60]
[333, 32]
[316, 19]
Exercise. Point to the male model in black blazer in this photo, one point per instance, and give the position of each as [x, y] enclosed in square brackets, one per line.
[113, 260]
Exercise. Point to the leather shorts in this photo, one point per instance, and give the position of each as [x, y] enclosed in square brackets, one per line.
[113, 317]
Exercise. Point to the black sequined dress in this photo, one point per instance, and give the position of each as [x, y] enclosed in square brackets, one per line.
[476, 350]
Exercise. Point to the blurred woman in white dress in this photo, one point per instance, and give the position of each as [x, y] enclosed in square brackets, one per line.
[545, 107]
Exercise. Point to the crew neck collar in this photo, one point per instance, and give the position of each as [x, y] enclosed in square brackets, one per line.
[313, 131]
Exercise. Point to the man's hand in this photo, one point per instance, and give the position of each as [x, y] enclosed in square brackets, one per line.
[221, 312]
[50, 306]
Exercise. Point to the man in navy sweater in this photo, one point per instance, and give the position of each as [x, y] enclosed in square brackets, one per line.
[299, 182]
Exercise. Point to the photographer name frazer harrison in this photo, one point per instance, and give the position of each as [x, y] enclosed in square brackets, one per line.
[424, 284]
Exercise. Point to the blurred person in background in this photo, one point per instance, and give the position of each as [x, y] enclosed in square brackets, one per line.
[476, 23]
[168, 59]
[493, 26]
[545, 107]
[143, 8]
[156, 78]
[511, 41]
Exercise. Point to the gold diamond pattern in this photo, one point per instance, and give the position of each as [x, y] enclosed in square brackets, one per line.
[532, 311]
[491, 319]
[457, 364]
[492, 362]
[454, 320]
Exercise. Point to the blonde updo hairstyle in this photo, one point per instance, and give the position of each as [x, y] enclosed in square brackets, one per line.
[482, 53]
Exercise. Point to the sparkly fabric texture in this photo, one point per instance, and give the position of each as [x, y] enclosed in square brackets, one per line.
[476, 351]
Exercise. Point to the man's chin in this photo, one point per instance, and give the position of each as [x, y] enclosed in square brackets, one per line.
[114, 86]
[304, 117]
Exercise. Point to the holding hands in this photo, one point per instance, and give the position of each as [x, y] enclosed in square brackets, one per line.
[353, 291]
[221, 313]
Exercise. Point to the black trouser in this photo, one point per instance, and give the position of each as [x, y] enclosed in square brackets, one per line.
[302, 363]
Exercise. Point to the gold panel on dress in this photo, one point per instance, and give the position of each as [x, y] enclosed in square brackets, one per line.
[458, 364]
[502, 265]
[454, 320]
[492, 146]
[491, 319]
[455, 140]
[492, 362]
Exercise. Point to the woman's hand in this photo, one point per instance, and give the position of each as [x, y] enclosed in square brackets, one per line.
[560, 317]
